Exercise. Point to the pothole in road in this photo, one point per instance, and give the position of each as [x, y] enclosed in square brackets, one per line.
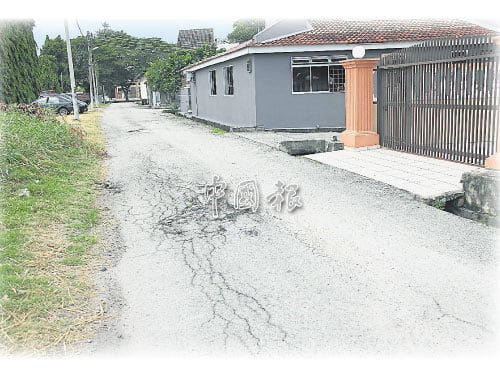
[111, 186]
[253, 232]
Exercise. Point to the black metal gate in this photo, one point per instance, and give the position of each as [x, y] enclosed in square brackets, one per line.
[440, 99]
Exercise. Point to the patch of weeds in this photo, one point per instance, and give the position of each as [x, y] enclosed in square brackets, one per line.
[215, 130]
[91, 217]
[439, 204]
[72, 260]
[47, 220]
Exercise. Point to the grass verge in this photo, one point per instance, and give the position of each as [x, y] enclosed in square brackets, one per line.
[48, 170]
[215, 130]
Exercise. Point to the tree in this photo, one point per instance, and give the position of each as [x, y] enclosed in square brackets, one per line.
[48, 77]
[121, 57]
[80, 53]
[56, 48]
[166, 74]
[245, 29]
[118, 58]
[18, 62]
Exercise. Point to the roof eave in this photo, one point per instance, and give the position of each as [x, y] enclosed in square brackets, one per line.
[261, 49]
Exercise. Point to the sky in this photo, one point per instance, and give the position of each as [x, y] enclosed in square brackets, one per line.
[166, 29]
[164, 18]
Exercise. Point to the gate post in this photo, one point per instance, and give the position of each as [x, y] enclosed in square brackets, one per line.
[493, 162]
[359, 130]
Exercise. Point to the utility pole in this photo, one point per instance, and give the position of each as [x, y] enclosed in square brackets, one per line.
[91, 81]
[96, 86]
[92, 84]
[71, 72]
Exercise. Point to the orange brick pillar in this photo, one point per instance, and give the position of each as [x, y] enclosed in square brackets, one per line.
[359, 130]
[493, 162]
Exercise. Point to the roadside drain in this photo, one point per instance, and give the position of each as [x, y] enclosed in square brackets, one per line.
[455, 204]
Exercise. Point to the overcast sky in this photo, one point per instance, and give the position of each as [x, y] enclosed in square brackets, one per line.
[164, 18]
[165, 29]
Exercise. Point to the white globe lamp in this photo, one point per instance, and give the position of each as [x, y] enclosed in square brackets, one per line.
[358, 52]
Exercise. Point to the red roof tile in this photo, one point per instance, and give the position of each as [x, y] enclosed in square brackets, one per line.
[379, 31]
[369, 31]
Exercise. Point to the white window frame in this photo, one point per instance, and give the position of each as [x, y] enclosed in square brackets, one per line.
[313, 61]
[226, 87]
[212, 82]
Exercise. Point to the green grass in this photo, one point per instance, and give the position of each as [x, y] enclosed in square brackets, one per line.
[439, 204]
[217, 130]
[46, 236]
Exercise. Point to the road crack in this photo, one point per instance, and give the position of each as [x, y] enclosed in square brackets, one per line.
[178, 220]
[444, 314]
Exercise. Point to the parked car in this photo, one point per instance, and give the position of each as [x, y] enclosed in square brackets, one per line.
[62, 104]
[81, 96]
[47, 92]
[81, 104]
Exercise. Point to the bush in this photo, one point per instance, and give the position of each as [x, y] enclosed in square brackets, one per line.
[30, 109]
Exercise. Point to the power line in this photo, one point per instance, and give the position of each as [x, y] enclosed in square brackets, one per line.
[79, 28]
[92, 88]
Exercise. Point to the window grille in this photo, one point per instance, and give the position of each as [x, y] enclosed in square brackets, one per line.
[213, 82]
[228, 81]
[318, 74]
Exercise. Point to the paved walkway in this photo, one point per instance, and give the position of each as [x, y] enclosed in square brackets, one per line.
[425, 177]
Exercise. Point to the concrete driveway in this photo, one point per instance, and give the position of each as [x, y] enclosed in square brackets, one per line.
[360, 268]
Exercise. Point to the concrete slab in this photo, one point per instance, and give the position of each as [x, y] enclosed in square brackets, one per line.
[304, 147]
[273, 139]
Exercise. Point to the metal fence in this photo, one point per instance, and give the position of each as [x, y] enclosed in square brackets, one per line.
[440, 99]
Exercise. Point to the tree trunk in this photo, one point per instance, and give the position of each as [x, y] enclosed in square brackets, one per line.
[125, 92]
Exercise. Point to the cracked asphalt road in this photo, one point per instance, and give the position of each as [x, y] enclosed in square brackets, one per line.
[361, 268]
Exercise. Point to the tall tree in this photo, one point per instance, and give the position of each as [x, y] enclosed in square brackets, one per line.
[57, 49]
[245, 29]
[121, 57]
[19, 67]
[166, 74]
[118, 57]
[48, 78]
[80, 53]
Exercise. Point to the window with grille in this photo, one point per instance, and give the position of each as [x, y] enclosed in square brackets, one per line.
[212, 77]
[318, 74]
[228, 81]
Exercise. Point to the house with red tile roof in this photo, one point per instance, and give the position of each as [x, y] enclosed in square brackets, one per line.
[289, 76]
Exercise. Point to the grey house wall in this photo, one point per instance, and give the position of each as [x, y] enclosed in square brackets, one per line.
[264, 96]
[184, 100]
[277, 107]
[233, 110]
